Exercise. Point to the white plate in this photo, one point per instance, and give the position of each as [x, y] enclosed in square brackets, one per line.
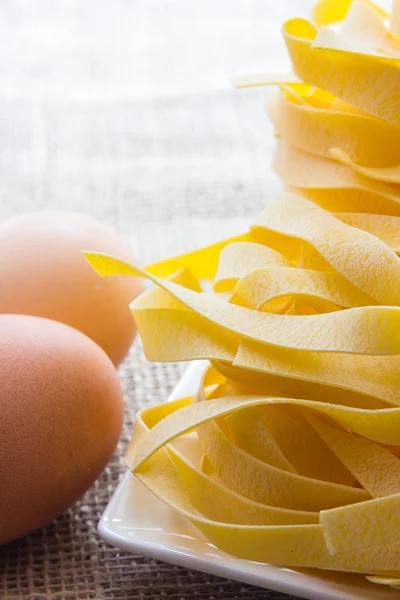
[136, 521]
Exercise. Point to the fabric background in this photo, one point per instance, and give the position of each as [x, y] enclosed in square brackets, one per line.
[124, 110]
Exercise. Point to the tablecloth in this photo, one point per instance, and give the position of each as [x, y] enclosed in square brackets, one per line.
[124, 110]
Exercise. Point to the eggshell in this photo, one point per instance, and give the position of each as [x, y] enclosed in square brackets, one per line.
[61, 412]
[43, 273]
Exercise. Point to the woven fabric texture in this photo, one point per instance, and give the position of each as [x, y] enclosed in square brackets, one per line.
[124, 110]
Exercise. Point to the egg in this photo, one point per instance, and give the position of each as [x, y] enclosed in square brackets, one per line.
[61, 413]
[43, 273]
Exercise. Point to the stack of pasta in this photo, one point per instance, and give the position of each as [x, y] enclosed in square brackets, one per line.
[298, 414]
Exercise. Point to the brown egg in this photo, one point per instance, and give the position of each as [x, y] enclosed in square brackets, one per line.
[61, 412]
[43, 273]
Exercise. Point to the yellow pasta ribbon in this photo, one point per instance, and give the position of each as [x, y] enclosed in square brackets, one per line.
[297, 416]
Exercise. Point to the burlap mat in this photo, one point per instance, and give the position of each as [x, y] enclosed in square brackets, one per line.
[124, 110]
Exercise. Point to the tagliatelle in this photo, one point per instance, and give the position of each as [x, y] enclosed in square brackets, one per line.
[331, 185]
[259, 287]
[385, 174]
[297, 417]
[313, 126]
[240, 258]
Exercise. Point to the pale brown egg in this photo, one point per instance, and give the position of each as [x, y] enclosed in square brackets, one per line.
[61, 413]
[43, 273]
